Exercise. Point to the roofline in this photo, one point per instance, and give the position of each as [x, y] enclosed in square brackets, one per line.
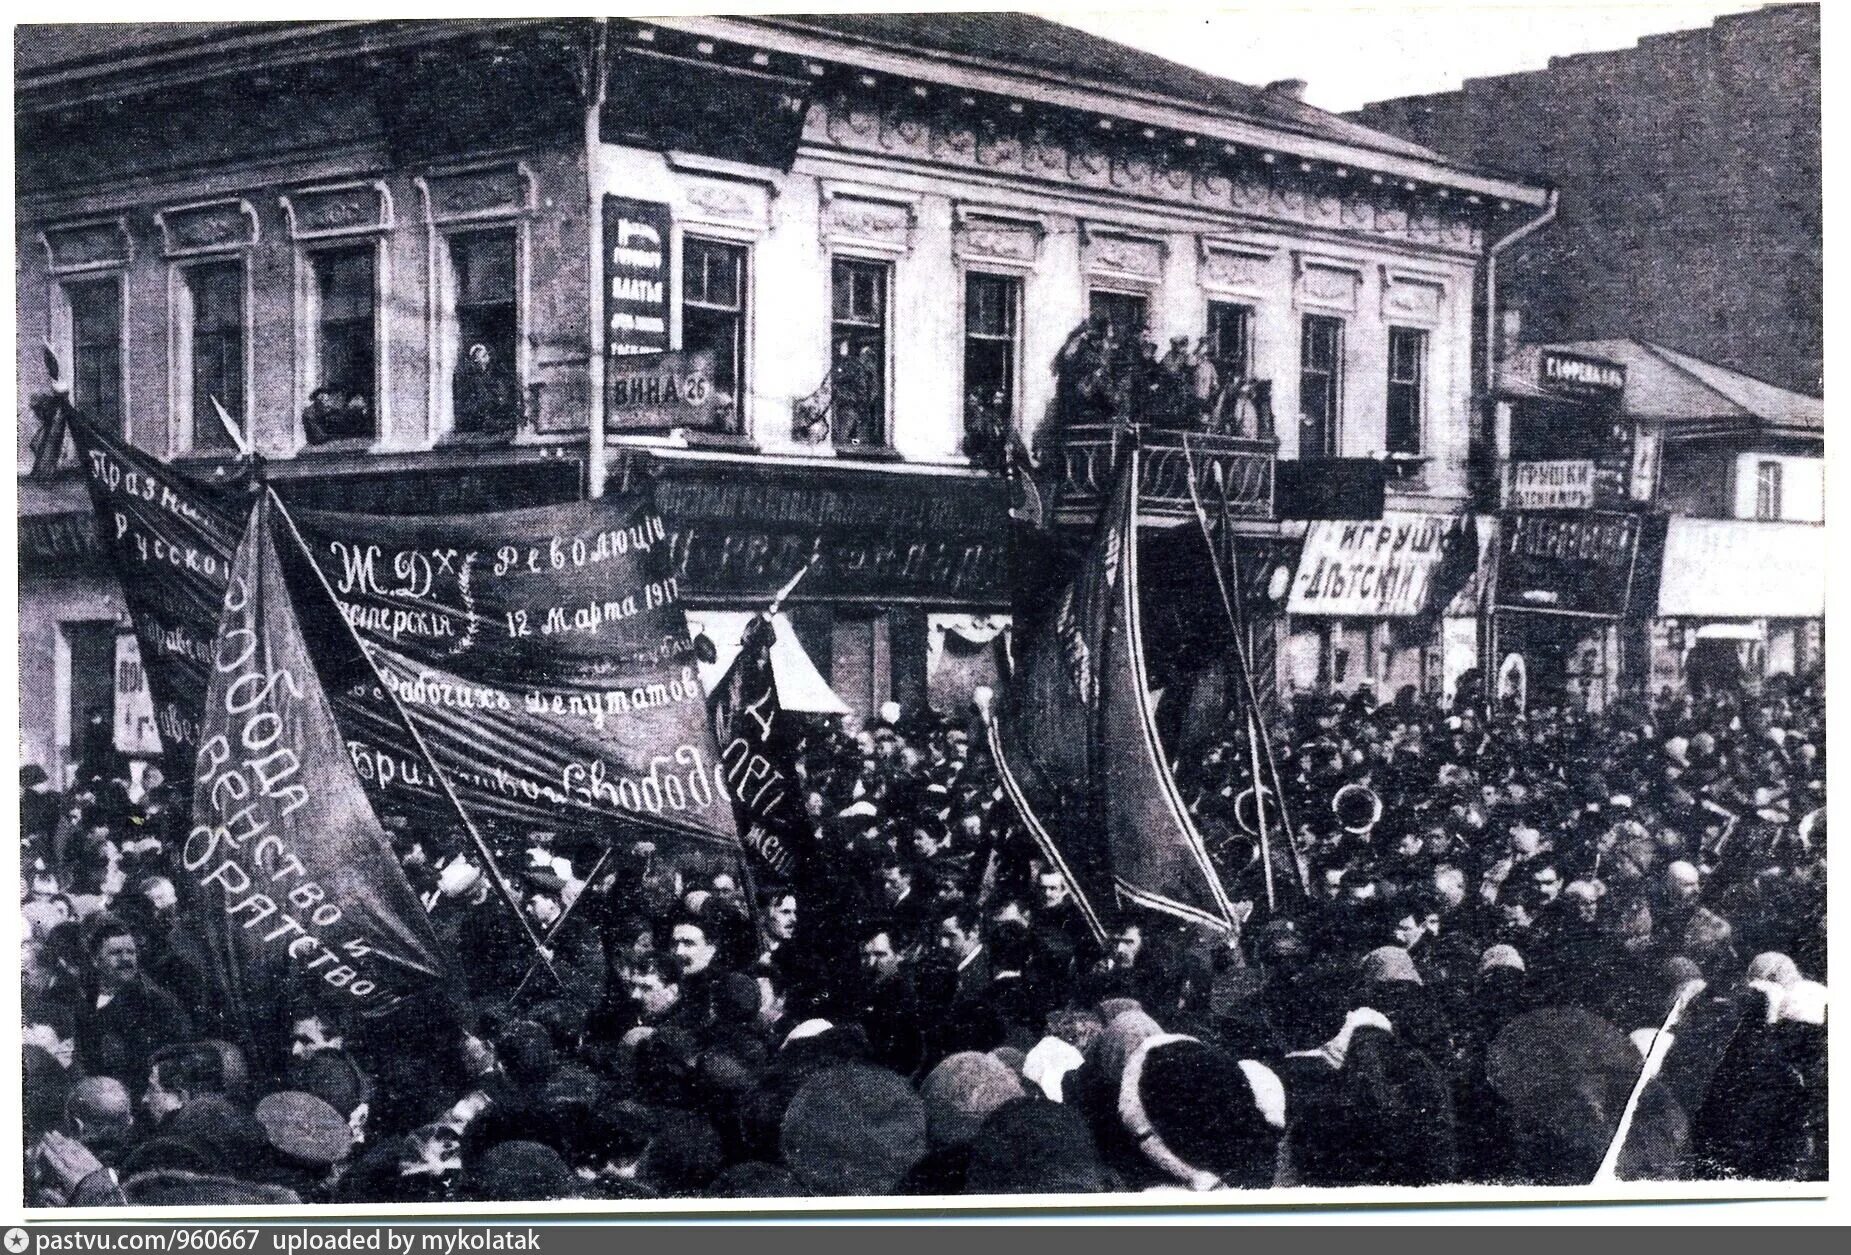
[1067, 92]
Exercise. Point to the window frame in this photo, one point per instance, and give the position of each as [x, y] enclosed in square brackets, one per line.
[1248, 315]
[884, 266]
[1770, 488]
[1017, 306]
[447, 338]
[308, 338]
[1423, 360]
[62, 285]
[1333, 421]
[704, 235]
[182, 314]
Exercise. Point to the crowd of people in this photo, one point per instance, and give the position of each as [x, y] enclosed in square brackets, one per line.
[1108, 372]
[1464, 987]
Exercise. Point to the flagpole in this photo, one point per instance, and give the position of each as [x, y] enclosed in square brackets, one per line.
[488, 858]
[558, 924]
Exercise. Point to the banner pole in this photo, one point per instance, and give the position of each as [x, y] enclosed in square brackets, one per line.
[488, 858]
[560, 923]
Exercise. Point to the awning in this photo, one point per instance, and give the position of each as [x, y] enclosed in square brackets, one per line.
[800, 685]
[1740, 569]
[1728, 632]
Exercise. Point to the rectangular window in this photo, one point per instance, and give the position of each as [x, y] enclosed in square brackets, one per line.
[96, 349]
[1230, 334]
[485, 391]
[992, 310]
[1407, 382]
[859, 335]
[713, 315]
[1126, 312]
[1320, 386]
[343, 396]
[1767, 490]
[214, 314]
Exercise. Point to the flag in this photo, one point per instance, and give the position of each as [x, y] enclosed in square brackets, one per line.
[1158, 858]
[757, 761]
[543, 652]
[293, 881]
[1045, 739]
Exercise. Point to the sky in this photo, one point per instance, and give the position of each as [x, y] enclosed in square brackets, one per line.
[1353, 53]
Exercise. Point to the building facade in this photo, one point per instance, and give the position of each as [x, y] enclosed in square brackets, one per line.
[1690, 173]
[811, 276]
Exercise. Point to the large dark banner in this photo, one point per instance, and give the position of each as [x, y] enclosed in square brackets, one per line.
[757, 755]
[294, 877]
[542, 653]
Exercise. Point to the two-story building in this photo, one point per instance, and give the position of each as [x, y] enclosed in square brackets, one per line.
[1663, 521]
[433, 266]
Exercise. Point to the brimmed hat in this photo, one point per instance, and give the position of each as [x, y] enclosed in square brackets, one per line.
[305, 1129]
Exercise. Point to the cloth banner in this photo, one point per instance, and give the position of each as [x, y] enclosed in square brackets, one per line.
[294, 880]
[757, 759]
[543, 652]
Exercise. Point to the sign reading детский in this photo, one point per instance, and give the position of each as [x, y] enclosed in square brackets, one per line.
[1373, 568]
[1550, 486]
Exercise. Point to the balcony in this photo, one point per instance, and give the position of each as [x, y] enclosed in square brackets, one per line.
[1077, 468]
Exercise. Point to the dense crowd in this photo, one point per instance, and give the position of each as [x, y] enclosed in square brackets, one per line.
[1464, 987]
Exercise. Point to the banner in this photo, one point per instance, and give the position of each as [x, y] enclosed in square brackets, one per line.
[1382, 568]
[289, 865]
[1158, 857]
[1565, 485]
[757, 752]
[543, 652]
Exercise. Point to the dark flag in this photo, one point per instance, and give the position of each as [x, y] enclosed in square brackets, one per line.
[757, 762]
[294, 880]
[1158, 858]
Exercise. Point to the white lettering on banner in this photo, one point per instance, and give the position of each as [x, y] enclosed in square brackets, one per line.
[1373, 568]
[136, 734]
[1565, 485]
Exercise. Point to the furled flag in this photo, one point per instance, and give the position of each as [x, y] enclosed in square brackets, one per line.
[1158, 857]
[295, 884]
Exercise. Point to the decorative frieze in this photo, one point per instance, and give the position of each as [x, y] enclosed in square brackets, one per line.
[499, 191]
[860, 219]
[999, 239]
[1235, 268]
[1199, 180]
[91, 245]
[346, 209]
[1111, 254]
[1330, 284]
[1407, 298]
[217, 226]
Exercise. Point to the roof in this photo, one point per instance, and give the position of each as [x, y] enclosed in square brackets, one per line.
[67, 45]
[1664, 383]
[1018, 41]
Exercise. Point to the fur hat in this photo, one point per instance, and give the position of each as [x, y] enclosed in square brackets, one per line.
[853, 1129]
[1387, 964]
[960, 1094]
[304, 1129]
[1032, 1146]
[517, 1172]
[1171, 1081]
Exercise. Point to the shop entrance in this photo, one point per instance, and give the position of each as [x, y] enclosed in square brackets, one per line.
[1567, 660]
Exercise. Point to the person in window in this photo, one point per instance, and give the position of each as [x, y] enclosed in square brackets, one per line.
[1204, 385]
[857, 396]
[484, 394]
[336, 414]
[985, 426]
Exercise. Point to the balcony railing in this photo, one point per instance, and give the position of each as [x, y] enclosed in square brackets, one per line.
[1238, 471]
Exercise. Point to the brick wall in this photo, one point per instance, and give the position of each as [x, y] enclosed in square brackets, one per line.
[1689, 168]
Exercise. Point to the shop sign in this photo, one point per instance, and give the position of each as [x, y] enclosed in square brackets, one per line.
[58, 543]
[1567, 485]
[135, 729]
[635, 279]
[1580, 376]
[662, 390]
[874, 537]
[1379, 568]
[1568, 563]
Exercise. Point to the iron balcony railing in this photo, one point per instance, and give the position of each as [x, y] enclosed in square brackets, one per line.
[1079, 463]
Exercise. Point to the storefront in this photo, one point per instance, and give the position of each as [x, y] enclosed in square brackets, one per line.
[1367, 600]
[1572, 591]
[1738, 601]
[908, 570]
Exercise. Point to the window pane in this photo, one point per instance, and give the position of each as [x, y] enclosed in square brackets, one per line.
[1228, 328]
[713, 312]
[858, 374]
[96, 349]
[484, 268]
[1407, 351]
[216, 297]
[713, 272]
[342, 404]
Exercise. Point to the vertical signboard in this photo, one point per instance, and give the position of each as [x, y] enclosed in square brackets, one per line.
[135, 731]
[635, 278]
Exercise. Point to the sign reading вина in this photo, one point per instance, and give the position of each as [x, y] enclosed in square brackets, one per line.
[1565, 485]
[662, 390]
